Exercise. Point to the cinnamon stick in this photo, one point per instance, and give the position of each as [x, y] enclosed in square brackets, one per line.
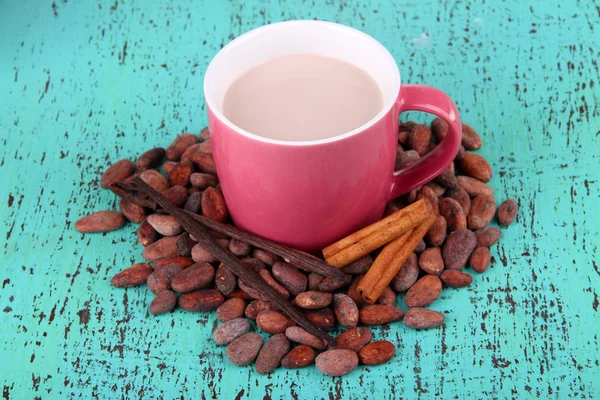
[248, 275]
[387, 264]
[376, 235]
[297, 258]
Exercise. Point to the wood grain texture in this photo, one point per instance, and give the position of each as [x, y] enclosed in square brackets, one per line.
[87, 82]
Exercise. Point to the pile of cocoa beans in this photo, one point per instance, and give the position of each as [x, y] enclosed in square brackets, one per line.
[179, 271]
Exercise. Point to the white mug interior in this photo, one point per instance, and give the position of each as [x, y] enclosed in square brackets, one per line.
[301, 37]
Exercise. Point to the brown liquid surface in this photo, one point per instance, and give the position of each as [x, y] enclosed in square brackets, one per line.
[302, 97]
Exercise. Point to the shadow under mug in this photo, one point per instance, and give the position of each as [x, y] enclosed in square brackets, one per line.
[308, 194]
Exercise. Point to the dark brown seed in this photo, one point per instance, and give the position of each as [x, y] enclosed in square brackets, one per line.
[100, 221]
[231, 309]
[146, 233]
[360, 266]
[455, 216]
[336, 362]
[243, 350]
[462, 197]
[230, 330]
[456, 279]
[412, 196]
[193, 203]
[314, 280]
[267, 277]
[388, 297]
[201, 300]
[299, 335]
[201, 254]
[424, 292]
[163, 302]
[239, 248]
[475, 166]
[204, 162]
[427, 193]
[437, 188]
[117, 172]
[132, 211]
[439, 128]
[313, 300]
[265, 256]
[253, 293]
[205, 134]
[474, 187]
[213, 205]
[480, 259]
[180, 174]
[431, 261]
[254, 263]
[353, 339]
[155, 179]
[271, 354]
[406, 159]
[185, 244]
[323, 318]
[177, 195]
[290, 278]
[165, 247]
[160, 279]
[420, 247]
[166, 225]
[378, 314]
[203, 148]
[470, 138]
[225, 280]
[163, 262]
[353, 291]
[168, 166]
[150, 159]
[300, 357]
[507, 212]
[406, 126]
[203, 181]
[447, 179]
[198, 276]
[273, 322]
[346, 310]
[460, 154]
[482, 212]
[330, 284]
[458, 248]
[180, 144]
[376, 353]
[437, 233]
[418, 139]
[135, 275]
[422, 318]
[255, 307]
[407, 276]
[487, 236]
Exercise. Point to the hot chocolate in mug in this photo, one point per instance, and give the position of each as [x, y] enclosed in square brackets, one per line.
[309, 194]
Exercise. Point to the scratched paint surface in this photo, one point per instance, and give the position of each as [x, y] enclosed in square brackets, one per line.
[86, 82]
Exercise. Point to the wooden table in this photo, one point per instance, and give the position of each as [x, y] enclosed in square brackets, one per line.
[87, 82]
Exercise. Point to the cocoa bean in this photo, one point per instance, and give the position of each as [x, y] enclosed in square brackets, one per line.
[213, 205]
[203, 181]
[439, 128]
[346, 310]
[267, 277]
[265, 256]
[150, 159]
[160, 279]
[456, 279]
[487, 236]
[300, 357]
[135, 275]
[455, 216]
[336, 362]
[239, 248]
[474, 187]
[180, 174]
[314, 280]
[313, 300]
[353, 339]
[243, 350]
[201, 148]
[225, 280]
[165, 247]
[447, 179]
[420, 247]
[388, 297]
[422, 318]
[323, 318]
[201, 300]
[131, 211]
[379, 314]
[475, 166]
[146, 233]
[257, 306]
[418, 139]
[507, 212]
[193, 203]
[428, 194]
[230, 330]
[254, 263]
[406, 159]
[271, 354]
[163, 262]
[437, 188]
[431, 261]
[470, 139]
[185, 244]
[376, 353]
[180, 144]
[177, 195]
[201, 254]
[117, 172]
[168, 166]
[407, 276]
[462, 197]
[205, 134]
[360, 266]
[424, 292]
[273, 322]
[482, 212]
[165, 224]
[290, 278]
[299, 335]
[330, 284]
[353, 291]
[253, 293]
[198, 276]
[458, 248]
[155, 179]
[100, 221]
[231, 309]
[204, 162]
[164, 302]
[480, 259]
[437, 233]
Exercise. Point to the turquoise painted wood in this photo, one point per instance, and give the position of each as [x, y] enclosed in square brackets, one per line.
[87, 82]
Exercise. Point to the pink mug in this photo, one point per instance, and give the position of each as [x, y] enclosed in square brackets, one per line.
[308, 194]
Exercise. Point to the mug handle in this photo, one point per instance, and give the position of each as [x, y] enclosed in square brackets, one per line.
[433, 101]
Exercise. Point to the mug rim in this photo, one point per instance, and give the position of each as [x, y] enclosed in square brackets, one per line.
[240, 39]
